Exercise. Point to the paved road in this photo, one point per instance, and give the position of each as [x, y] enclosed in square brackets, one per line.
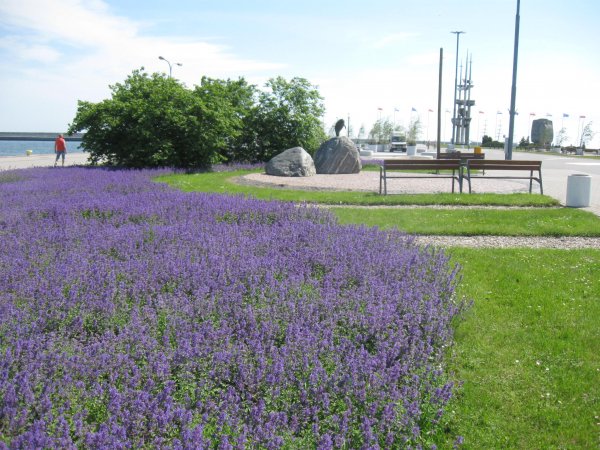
[556, 170]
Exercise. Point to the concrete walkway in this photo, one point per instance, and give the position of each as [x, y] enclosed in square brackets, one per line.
[39, 160]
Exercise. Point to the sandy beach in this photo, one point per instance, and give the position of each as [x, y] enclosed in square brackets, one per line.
[46, 160]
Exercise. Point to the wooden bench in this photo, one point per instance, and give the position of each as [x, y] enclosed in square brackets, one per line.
[392, 168]
[505, 165]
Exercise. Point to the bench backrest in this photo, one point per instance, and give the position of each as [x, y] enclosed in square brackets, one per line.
[501, 164]
[461, 155]
[421, 164]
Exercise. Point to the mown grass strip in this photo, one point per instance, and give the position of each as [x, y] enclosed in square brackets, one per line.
[477, 222]
[224, 183]
[528, 350]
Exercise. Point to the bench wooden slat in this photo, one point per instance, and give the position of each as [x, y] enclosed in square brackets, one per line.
[516, 165]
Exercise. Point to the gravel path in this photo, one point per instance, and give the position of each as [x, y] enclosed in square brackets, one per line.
[564, 243]
[368, 181]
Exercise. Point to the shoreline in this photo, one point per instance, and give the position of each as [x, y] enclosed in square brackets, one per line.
[41, 160]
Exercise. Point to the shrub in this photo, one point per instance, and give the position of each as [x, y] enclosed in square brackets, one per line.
[132, 315]
[155, 121]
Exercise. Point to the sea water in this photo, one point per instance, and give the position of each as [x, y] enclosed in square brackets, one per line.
[19, 148]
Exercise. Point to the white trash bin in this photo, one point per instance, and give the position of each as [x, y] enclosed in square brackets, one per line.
[579, 190]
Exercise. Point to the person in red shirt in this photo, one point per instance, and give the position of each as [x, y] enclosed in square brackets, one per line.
[60, 148]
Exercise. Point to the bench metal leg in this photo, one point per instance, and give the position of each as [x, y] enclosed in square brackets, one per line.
[469, 179]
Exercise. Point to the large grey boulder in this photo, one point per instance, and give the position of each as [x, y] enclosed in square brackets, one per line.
[338, 155]
[293, 162]
[542, 131]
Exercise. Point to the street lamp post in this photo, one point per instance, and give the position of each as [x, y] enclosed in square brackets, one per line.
[513, 92]
[458, 33]
[170, 67]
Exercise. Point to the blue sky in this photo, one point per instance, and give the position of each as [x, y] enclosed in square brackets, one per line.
[361, 55]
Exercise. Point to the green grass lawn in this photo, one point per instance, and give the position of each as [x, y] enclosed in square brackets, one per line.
[224, 182]
[528, 351]
[474, 222]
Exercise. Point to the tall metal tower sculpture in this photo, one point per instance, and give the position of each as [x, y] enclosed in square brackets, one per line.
[461, 123]
[457, 33]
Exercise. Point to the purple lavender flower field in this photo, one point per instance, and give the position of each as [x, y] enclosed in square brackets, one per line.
[133, 315]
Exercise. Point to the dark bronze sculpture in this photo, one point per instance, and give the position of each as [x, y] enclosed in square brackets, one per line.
[338, 126]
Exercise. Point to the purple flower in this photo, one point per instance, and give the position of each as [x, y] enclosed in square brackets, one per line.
[135, 315]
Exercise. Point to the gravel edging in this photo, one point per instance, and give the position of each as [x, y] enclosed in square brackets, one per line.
[562, 243]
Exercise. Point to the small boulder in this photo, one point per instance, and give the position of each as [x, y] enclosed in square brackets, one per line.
[338, 155]
[293, 162]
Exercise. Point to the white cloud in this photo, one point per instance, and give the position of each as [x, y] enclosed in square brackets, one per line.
[69, 21]
[37, 52]
[80, 48]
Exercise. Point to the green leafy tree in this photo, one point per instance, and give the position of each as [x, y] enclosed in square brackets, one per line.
[288, 115]
[524, 143]
[236, 100]
[486, 141]
[587, 134]
[414, 131]
[152, 121]
[561, 137]
[382, 131]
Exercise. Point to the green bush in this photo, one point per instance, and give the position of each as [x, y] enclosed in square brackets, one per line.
[151, 121]
[288, 115]
[155, 121]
